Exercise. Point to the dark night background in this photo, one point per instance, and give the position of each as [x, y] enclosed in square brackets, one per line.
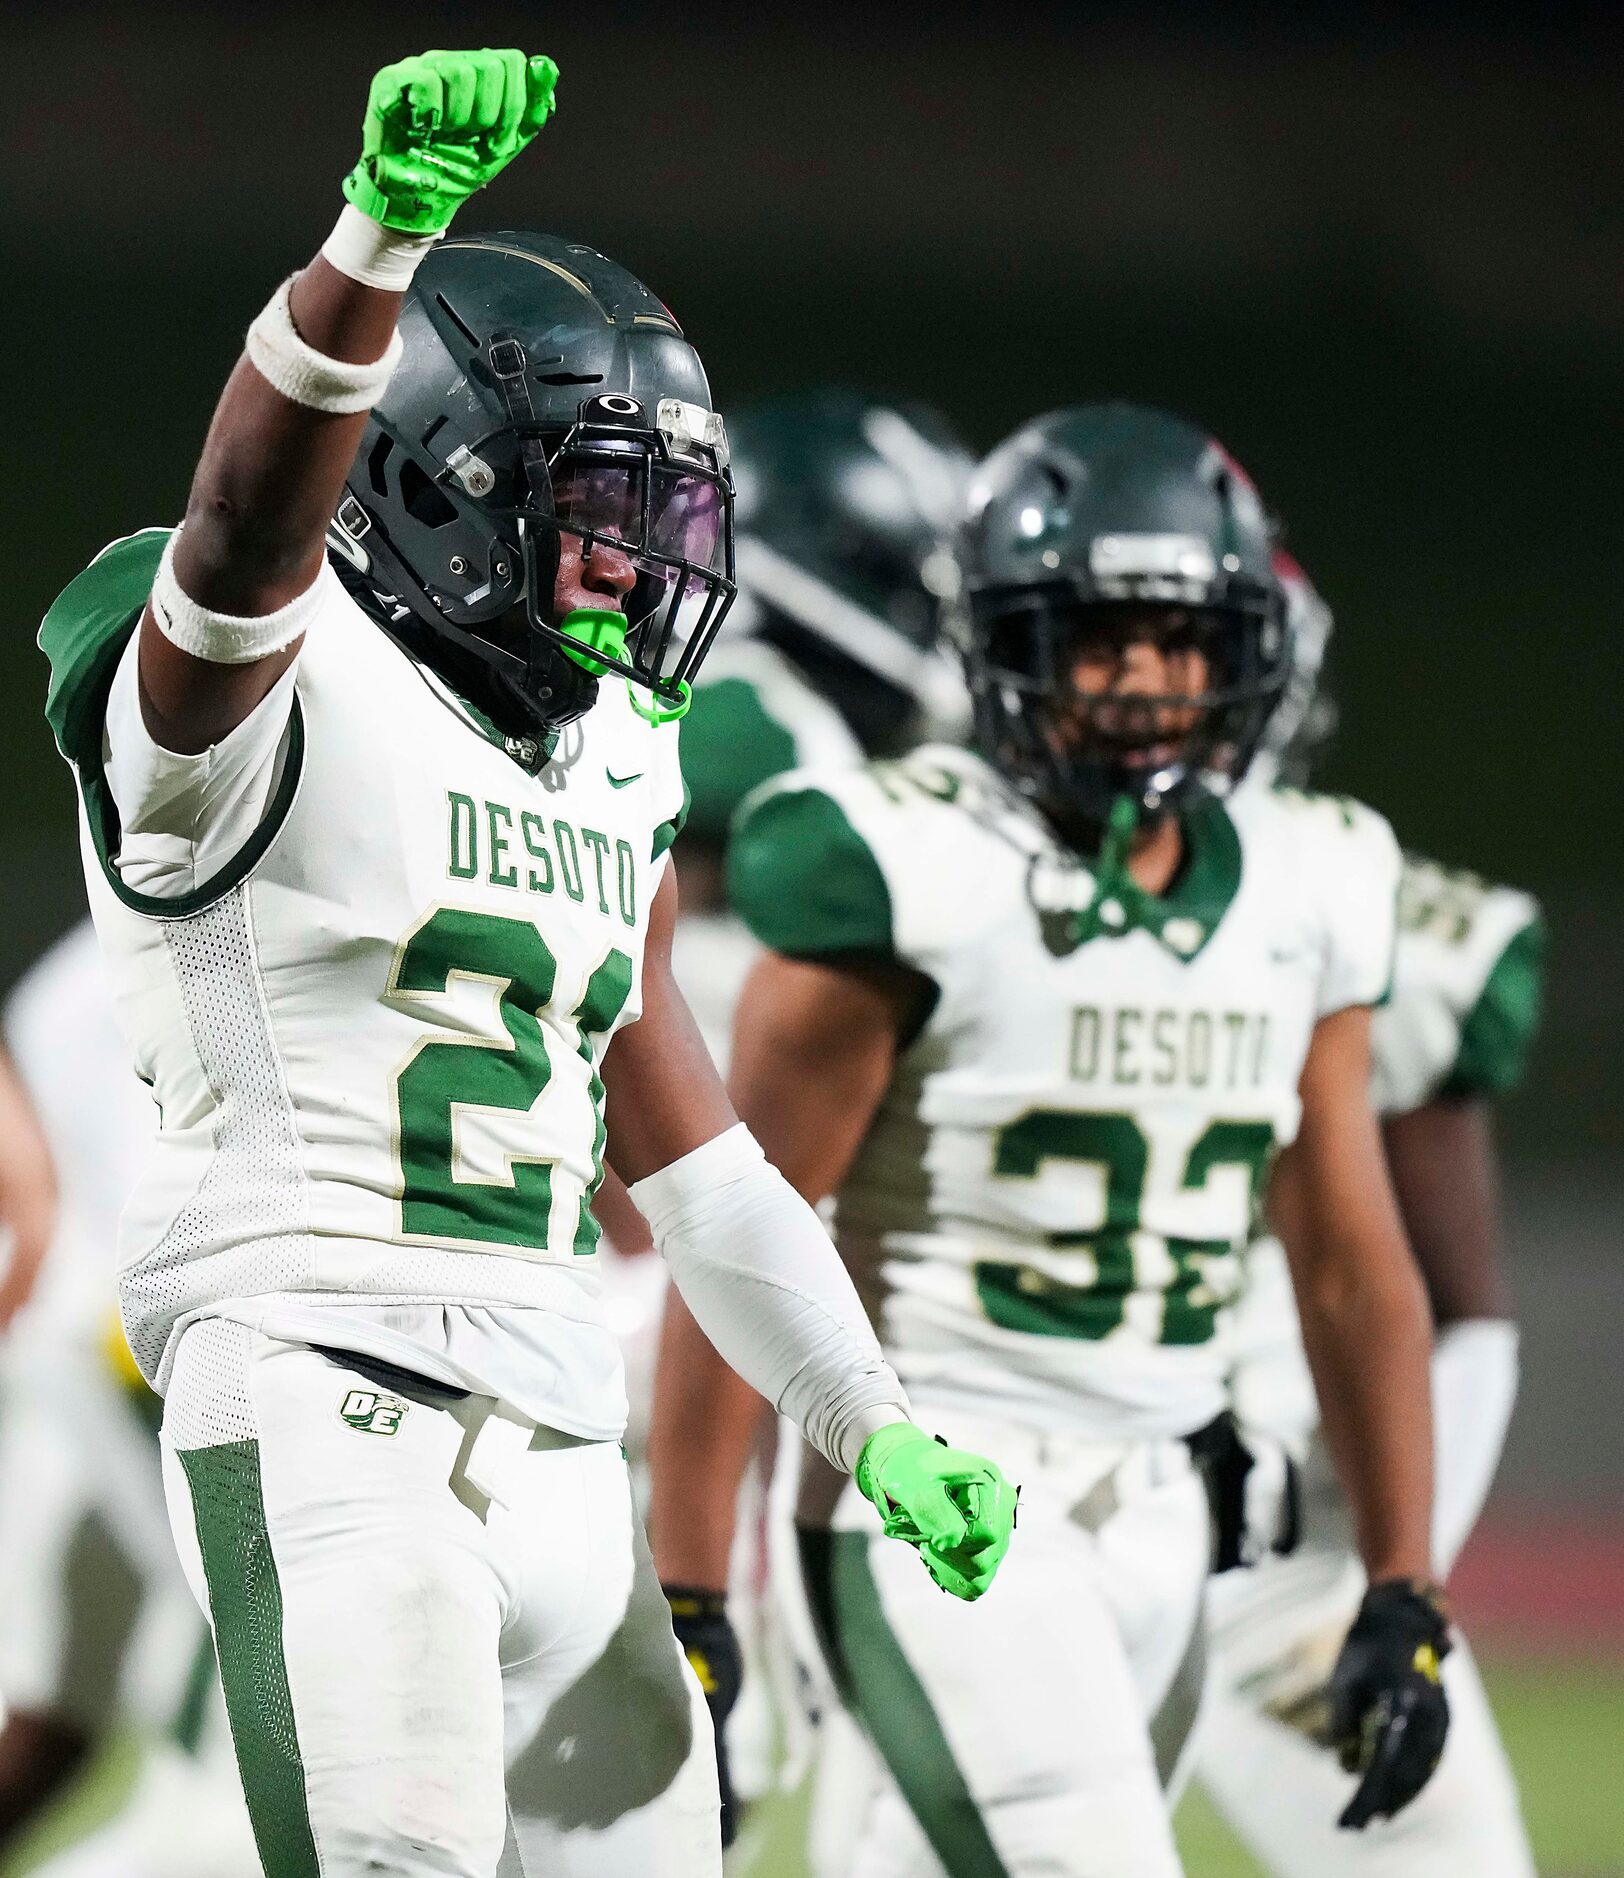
[1381, 260]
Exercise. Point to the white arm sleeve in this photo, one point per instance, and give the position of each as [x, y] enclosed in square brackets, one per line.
[766, 1286]
[1474, 1384]
[184, 818]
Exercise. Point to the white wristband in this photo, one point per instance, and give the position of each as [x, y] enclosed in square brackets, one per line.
[228, 638]
[308, 377]
[372, 254]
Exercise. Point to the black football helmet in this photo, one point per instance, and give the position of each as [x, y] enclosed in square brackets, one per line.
[1081, 522]
[848, 506]
[545, 403]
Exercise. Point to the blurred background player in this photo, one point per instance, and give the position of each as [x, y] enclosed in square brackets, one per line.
[1041, 1018]
[1452, 1038]
[846, 507]
[115, 1727]
[834, 653]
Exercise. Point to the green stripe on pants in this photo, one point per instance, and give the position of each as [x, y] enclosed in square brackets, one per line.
[245, 1597]
[879, 1686]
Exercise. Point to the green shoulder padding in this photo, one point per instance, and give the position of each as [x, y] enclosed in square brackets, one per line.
[730, 745]
[804, 881]
[84, 633]
[1497, 1034]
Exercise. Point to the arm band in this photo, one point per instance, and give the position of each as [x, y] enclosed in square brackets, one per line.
[228, 638]
[308, 377]
[1474, 1384]
[372, 254]
[757, 1270]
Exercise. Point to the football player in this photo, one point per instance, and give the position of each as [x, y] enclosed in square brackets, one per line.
[107, 1663]
[1452, 1038]
[1043, 1019]
[376, 837]
[846, 509]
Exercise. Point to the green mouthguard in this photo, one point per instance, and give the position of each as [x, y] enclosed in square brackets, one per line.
[605, 633]
[597, 627]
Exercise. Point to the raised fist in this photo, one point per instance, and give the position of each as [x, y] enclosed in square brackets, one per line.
[440, 126]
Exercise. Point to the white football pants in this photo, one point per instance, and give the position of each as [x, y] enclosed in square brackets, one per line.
[1273, 1634]
[1014, 1737]
[443, 1644]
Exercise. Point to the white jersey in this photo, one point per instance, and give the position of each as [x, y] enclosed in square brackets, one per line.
[99, 1124]
[1467, 977]
[374, 1032]
[1049, 1208]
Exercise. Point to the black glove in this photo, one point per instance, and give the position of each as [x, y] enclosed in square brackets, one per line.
[700, 1620]
[1386, 1710]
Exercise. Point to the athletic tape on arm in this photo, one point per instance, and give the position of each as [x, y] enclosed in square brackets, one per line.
[308, 377]
[756, 1268]
[229, 638]
[372, 254]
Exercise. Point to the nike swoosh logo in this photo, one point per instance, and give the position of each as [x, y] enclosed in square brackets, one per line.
[620, 782]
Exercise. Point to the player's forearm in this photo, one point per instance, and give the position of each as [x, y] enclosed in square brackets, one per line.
[702, 1433]
[768, 1289]
[1368, 1339]
[272, 470]
[238, 588]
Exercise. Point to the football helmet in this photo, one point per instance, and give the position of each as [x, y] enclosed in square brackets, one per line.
[547, 411]
[1091, 526]
[847, 509]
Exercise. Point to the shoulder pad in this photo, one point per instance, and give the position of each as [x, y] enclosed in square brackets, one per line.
[801, 876]
[869, 859]
[1470, 970]
[1343, 857]
[84, 632]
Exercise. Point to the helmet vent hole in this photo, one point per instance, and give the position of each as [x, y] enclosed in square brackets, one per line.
[377, 457]
[424, 502]
[450, 312]
[570, 378]
[434, 430]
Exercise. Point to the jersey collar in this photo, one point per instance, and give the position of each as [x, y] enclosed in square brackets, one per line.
[1182, 919]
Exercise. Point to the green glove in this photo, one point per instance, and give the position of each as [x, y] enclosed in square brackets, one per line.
[440, 126]
[955, 1509]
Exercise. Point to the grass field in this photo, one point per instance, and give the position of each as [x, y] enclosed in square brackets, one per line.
[1563, 1723]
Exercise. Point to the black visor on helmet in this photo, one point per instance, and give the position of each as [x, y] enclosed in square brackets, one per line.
[1078, 747]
